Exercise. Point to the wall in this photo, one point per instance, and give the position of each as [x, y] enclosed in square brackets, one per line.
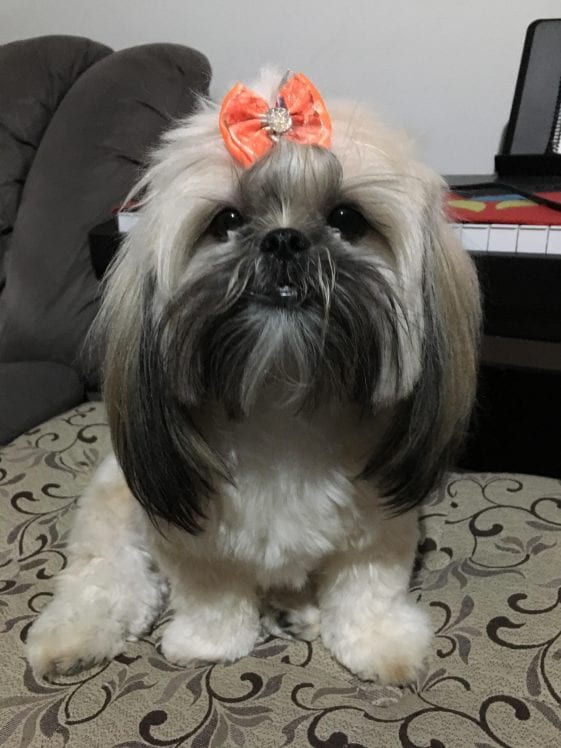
[443, 69]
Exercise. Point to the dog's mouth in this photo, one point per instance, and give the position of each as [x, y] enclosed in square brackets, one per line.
[284, 295]
[281, 285]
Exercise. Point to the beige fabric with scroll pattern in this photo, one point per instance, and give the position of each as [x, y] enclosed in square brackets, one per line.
[490, 577]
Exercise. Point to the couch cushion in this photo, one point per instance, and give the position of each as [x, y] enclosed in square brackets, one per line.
[489, 577]
[32, 391]
[35, 74]
[89, 158]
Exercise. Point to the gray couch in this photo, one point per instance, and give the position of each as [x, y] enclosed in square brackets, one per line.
[76, 123]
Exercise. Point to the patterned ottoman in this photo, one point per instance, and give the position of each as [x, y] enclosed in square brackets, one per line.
[489, 574]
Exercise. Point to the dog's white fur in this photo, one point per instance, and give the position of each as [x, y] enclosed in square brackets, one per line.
[293, 511]
[294, 522]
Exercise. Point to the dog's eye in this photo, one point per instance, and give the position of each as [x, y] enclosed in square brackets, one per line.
[352, 224]
[227, 220]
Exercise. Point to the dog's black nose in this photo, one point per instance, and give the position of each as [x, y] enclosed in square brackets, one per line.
[285, 243]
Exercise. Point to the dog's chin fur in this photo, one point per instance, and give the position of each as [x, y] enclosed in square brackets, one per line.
[269, 440]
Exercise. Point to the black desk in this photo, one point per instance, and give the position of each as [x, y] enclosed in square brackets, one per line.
[517, 421]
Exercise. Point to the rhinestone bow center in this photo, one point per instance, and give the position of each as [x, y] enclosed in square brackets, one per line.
[278, 120]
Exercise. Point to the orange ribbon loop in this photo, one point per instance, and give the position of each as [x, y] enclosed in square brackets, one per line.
[250, 126]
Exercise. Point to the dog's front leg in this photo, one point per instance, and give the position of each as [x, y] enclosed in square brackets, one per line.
[367, 620]
[110, 590]
[215, 609]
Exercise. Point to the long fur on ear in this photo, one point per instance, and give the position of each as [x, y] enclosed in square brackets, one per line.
[166, 462]
[429, 427]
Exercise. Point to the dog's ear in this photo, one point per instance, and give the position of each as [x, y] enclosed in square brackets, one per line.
[165, 460]
[429, 427]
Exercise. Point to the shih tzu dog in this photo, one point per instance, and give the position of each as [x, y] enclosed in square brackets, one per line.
[290, 337]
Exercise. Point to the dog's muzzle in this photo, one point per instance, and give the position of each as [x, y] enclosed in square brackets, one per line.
[283, 250]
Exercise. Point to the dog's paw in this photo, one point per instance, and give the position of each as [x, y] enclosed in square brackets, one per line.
[64, 642]
[187, 639]
[389, 649]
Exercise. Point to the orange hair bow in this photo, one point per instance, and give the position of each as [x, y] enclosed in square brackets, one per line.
[250, 126]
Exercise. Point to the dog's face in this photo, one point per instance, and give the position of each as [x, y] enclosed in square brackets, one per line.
[289, 282]
[314, 275]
